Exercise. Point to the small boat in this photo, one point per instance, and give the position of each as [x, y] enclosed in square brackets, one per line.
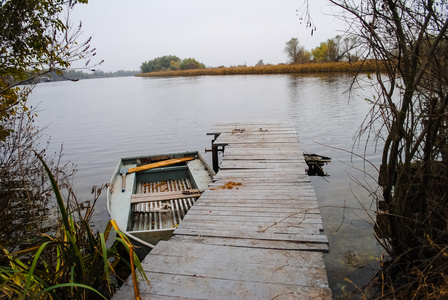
[148, 196]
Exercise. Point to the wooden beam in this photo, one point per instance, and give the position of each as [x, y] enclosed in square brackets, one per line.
[163, 196]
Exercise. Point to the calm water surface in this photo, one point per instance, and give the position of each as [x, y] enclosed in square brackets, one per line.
[101, 120]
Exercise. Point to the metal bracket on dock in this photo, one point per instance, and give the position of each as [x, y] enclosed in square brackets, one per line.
[214, 150]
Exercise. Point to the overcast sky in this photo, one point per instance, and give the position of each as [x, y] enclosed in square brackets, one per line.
[214, 32]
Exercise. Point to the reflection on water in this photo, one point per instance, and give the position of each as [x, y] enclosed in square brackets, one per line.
[326, 121]
[101, 120]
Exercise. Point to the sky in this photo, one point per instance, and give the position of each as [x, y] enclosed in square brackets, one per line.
[214, 32]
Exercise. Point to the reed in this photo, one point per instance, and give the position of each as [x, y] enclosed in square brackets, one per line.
[360, 66]
[75, 264]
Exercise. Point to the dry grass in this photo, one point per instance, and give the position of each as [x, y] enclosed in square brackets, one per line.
[360, 66]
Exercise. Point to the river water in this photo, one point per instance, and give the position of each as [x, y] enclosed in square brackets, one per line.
[100, 120]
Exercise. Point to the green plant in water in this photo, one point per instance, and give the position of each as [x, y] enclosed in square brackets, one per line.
[75, 264]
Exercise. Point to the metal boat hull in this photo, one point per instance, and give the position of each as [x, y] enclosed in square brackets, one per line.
[155, 201]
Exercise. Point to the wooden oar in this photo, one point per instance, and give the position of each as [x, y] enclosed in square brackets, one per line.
[158, 164]
[163, 163]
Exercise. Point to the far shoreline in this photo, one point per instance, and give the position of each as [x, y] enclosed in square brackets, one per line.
[327, 67]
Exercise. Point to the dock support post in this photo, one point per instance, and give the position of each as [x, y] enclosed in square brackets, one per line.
[215, 159]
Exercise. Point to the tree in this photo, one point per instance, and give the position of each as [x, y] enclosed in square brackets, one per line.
[191, 63]
[260, 63]
[162, 63]
[292, 49]
[296, 53]
[174, 65]
[409, 42]
[321, 53]
[340, 47]
[34, 40]
[333, 49]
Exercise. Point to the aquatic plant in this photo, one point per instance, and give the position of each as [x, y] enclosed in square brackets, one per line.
[74, 264]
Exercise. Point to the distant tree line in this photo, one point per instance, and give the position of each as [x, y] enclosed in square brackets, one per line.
[333, 50]
[76, 75]
[170, 62]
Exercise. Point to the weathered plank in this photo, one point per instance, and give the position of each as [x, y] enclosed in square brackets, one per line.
[228, 140]
[247, 180]
[224, 265]
[166, 286]
[305, 238]
[285, 145]
[266, 206]
[274, 186]
[265, 244]
[192, 249]
[161, 196]
[255, 211]
[302, 219]
[275, 152]
[244, 199]
[263, 194]
[249, 213]
[306, 229]
[262, 165]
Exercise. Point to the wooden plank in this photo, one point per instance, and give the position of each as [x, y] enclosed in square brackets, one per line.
[253, 210]
[266, 244]
[262, 180]
[228, 140]
[192, 249]
[304, 229]
[296, 219]
[267, 185]
[268, 189]
[249, 205]
[233, 164]
[264, 158]
[280, 164]
[249, 193]
[315, 227]
[241, 140]
[257, 173]
[249, 213]
[163, 196]
[285, 145]
[278, 151]
[261, 202]
[195, 287]
[227, 268]
[267, 136]
[251, 126]
[257, 132]
[307, 238]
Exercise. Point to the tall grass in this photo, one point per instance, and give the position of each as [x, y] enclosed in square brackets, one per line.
[360, 66]
[74, 264]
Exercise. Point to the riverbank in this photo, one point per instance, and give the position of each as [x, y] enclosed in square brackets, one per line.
[328, 67]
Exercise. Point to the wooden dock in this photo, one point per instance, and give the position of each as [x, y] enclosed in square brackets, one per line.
[254, 234]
